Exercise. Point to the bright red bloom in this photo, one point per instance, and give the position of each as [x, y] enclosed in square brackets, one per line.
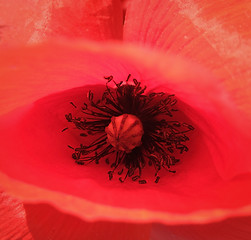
[35, 164]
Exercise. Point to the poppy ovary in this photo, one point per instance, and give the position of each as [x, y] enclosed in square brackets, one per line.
[124, 132]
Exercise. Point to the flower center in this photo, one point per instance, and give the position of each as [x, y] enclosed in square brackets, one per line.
[135, 127]
[124, 132]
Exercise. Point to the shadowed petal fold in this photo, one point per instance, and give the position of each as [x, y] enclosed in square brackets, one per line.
[44, 220]
[229, 229]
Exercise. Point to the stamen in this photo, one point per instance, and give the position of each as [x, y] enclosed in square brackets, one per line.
[137, 127]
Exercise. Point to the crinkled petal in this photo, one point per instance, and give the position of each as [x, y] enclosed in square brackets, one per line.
[13, 219]
[36, 164]
[24, 21]
[215, 34]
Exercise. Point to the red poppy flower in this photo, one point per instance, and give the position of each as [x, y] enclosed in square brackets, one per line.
[196, 50]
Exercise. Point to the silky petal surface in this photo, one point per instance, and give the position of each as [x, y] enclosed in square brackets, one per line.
[37, 165]
[215, 34]
[25, 21]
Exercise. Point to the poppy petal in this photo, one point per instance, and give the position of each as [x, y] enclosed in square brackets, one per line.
[13, 218]
[45, 221]
[215, 34]
[229, 229]
[24, 21]
[38, 163]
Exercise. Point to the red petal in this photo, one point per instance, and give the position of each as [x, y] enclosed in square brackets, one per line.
[45, 221]
[35, 152]
[40, 72]
[215, 34]
[24, 21]
[230, 229]
[13, 219]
